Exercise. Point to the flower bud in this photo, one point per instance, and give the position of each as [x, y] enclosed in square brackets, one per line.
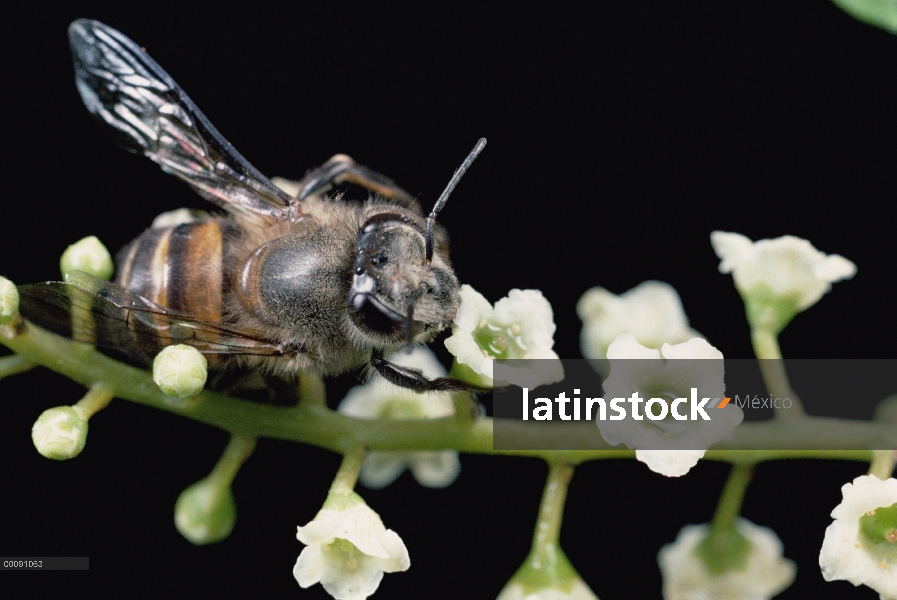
[205, 512]
[9, 300]
[180, 371]
[88, 255]
[60, 433]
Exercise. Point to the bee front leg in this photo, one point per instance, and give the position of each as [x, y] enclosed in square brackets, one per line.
[414, 379]
[342, 169]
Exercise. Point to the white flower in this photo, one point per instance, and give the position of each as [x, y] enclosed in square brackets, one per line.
[348, 549]
[651, 311]
[379, 399]
[520, 326]
[670, 444]
[686, 577]
[578, 591]
[861, 544]
[787, 272]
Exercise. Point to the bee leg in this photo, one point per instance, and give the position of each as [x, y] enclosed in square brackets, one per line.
[342, 169]
[415, 380]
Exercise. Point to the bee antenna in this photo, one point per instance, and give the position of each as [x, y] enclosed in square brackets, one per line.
[409, 314]
[431, 220]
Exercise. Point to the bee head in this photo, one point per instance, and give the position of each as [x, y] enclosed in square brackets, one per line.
[396, 294]
[403, 286]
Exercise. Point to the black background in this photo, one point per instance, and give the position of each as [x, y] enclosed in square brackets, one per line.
[620, 135]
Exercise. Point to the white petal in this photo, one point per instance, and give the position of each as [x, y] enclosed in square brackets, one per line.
[462, 345]
[835, 268]
[530, 310]
[731, 248]
[398, 554]
[357, 583]
[626, 346]
[420, 358]
[382, 468]
[474, 307]
[310, 566]
[357, 523]
[435, 469]
[672, 463]
[697, 348]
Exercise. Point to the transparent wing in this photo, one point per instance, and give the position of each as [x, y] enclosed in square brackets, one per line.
[107, 315]
[121, 85]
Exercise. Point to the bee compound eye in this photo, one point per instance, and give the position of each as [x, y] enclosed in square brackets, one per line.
[371, 314]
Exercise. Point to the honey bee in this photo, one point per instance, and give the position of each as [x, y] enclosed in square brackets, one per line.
[280, 284]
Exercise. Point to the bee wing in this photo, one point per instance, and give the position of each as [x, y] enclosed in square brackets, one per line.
[121, 85]
[111, 317]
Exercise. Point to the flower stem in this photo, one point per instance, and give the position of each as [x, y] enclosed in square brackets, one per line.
[312, 391]
[551, 510]
[882, 465]
[810, 437]
[772, 366]
[344, 482]
[238, 449]
[547, 565]
[725, 548]
[13, 365]
[96, 399]
[729, 506]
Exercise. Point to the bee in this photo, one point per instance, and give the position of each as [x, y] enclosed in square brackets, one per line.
[279, 283]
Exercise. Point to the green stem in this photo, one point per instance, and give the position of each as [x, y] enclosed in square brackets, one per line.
[13, 365]
[811, 437]
[551, 510]
[729, 506]
[312, 391]
[725, 548]
[547, 566]
[96, 399]
[345, 479]
[238, 449]
[772, 367]
[882, 465]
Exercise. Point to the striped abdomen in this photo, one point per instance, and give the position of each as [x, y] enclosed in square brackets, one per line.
[178, 268]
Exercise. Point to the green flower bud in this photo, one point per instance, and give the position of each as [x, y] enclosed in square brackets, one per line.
[60, 433]
[9, 300]
[88, 255]
[205, 512]
[180, 371]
